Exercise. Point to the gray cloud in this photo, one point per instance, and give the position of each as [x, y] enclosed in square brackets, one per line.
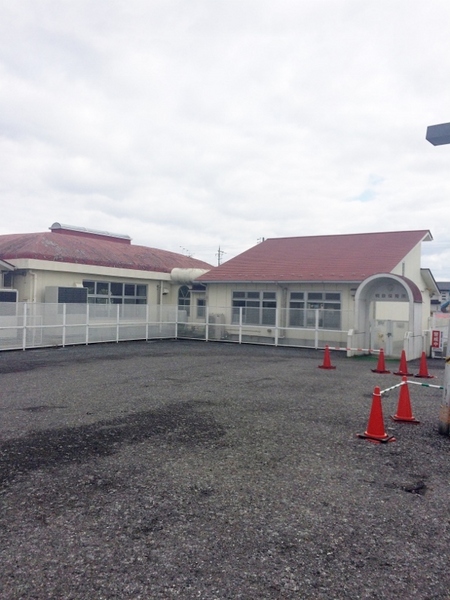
[198, 124]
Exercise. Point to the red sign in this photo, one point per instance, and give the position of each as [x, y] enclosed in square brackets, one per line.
[436, 338]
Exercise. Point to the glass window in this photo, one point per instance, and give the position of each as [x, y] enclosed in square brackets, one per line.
[201, 307]
[303, 314]
[258, 308]
[297, 309]
[116, 289]
[102, 288]
[90, 285]
[184, 299]
[115, 292]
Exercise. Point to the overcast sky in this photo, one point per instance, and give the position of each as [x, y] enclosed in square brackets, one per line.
[194, 124]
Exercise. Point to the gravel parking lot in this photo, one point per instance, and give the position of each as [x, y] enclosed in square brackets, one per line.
[216, 471]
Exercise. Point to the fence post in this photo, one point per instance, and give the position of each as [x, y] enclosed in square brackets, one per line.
[240, 325]
[87, 323]
[64, 326]
[444, 419]
[146, 322]
[316, 329]
[117, 324]
[276, 325]
[207, 324]
[24, 327]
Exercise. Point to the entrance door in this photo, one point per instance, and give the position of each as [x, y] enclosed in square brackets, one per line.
[381, 335]
[389, 335]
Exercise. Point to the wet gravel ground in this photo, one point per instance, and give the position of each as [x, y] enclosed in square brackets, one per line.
[216, 471]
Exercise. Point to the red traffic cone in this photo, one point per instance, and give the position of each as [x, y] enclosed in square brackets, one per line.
[403, 369]
[423, 369]
[381, 368]
[404, 412]
[375, 428]
[326, 360]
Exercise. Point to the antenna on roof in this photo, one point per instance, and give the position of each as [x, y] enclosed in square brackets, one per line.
[186, 252]
[259, 240]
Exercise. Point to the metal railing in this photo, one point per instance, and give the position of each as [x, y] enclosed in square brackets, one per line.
[26, 325]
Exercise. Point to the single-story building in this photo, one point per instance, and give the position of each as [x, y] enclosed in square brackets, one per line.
[359, 291]
[78, 265]
[368, 290]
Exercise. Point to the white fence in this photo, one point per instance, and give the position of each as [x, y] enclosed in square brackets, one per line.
[33, 325]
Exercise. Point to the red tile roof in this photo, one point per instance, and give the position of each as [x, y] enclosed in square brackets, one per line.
[93, 250]
[347, 257]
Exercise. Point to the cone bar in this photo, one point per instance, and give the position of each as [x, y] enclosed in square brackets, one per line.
[404, 412]
[326, 360]
[381, 368]
[375, 428]
[423, 369]
[403, 368]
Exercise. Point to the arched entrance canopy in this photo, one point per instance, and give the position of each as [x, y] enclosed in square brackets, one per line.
[387, 287]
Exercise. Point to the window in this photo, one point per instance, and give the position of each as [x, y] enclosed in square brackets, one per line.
[201, 308]
[7, 279]
[303, 305]
[113, 292]
[258, 308]
[184, 299]
[297, 309]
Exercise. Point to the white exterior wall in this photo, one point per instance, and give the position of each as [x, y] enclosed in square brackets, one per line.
[219, 296]
[410, 268]
[39, 274]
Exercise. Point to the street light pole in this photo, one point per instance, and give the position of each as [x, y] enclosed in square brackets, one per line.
[439, 135]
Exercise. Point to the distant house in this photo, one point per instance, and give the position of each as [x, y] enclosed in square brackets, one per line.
[72, 265]
[441, 301]
[369, 285]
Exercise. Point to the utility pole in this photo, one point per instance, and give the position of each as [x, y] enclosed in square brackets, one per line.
[219, 255]
[439, 135]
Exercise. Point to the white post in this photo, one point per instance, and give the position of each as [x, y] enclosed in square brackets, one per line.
[276, 325]
[316, 333]
[207, 324]
[87, 323]
[444, 417]
[64, 326]
[24, 325]
[240, 324]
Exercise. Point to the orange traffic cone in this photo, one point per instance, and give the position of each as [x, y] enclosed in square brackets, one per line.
[326, 360]
[404, 412]
[423, 369]
[381, 368]
[375, 429]
[403, 369]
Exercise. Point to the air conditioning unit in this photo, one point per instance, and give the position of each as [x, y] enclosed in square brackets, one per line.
[8, 313]
[217, 332]
[65, 295]
[9, 295]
